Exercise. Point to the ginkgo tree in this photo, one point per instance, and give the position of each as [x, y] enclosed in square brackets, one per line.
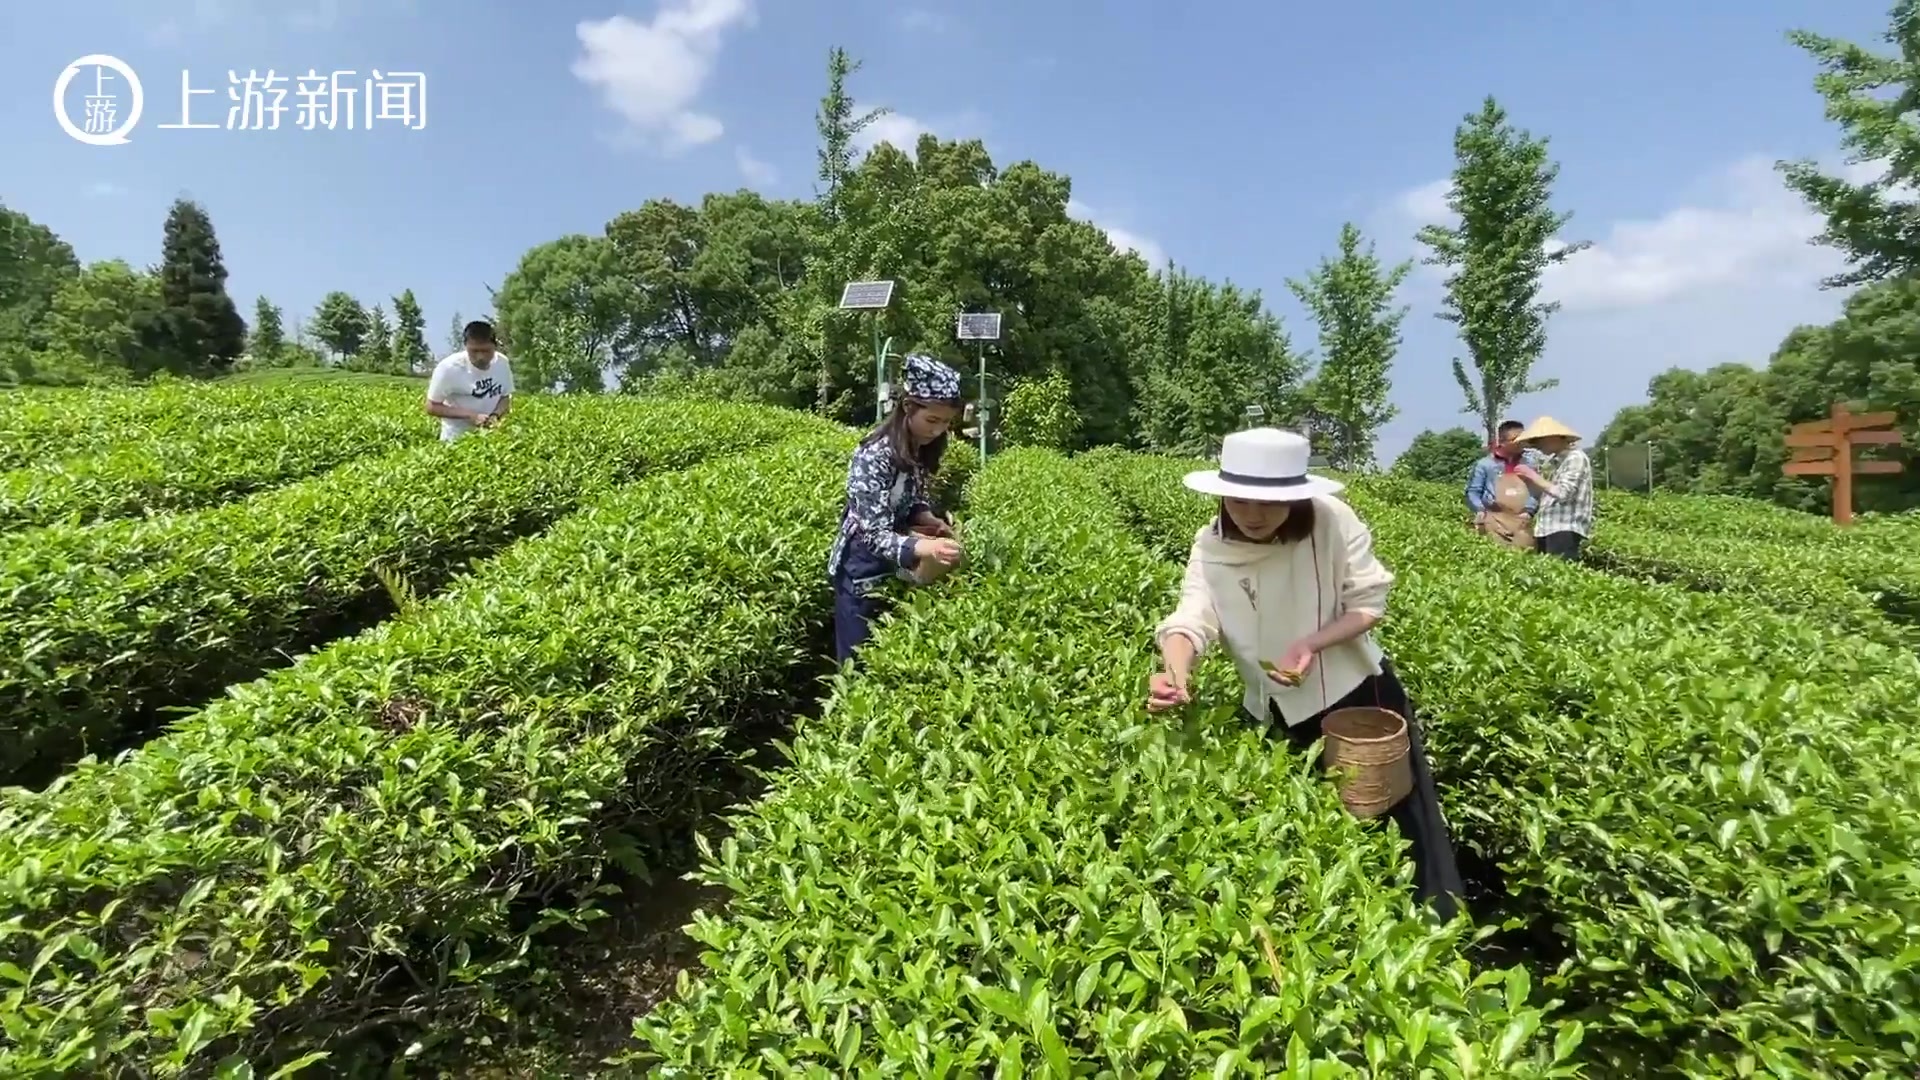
[1504, 237]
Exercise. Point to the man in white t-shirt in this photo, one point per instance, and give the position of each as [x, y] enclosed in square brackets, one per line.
[473, 387]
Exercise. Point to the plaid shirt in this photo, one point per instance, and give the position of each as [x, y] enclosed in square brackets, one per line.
[1567, 505]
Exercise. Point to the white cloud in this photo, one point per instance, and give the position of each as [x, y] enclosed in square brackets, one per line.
[1123, 239]
[311, 15]
[922, 20]
[897, 128]
[903, 131]
[181, 19]
[1720, 275]
[105, 189]
[652, 73]
[1426, 204]
[755, 170]
[1736, 229]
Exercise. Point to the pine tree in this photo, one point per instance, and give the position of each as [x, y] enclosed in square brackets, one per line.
[197, 320]
[1503, 244]
[339, 323]
[1351, 298]
[269, 334]
[828, 269]
[410, 352]
[376, 352]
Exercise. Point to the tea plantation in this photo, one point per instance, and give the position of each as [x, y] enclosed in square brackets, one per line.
[337, 751]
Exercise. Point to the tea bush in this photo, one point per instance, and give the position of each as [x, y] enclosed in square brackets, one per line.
[1703, 808]
[208, 466]
[102, 626]
[986, 858]
[1827, 575]
[43, 424]
[384, 827]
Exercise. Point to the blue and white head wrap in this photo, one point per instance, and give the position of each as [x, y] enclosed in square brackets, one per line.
[929, 379]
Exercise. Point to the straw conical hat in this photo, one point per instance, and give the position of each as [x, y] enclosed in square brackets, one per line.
[1545, 428]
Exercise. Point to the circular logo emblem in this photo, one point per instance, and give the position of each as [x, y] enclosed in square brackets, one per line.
[99, 127]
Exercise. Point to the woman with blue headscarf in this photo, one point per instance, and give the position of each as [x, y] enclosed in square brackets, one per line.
[888, 529]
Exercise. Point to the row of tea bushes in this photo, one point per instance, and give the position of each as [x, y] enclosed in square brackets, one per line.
[383, 828]
[985, 859]
[1824, 577]
[211, 465]
[43, 424]
[1707, 807]
[103, 626]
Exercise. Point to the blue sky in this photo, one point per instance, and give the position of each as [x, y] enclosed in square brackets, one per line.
[1233, 137]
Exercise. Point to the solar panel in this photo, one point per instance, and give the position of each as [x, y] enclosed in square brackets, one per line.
[979, 326]
[866, 295]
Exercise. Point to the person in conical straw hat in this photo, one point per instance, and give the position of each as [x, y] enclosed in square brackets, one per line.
[1284, 575]
[1563, 522]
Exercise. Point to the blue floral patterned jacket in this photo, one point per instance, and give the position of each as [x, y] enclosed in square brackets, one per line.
[882, 501]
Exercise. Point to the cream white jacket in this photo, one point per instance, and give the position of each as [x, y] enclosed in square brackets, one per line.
[1261, 598]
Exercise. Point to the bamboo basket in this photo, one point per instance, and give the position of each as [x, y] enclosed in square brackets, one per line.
[1367, 751]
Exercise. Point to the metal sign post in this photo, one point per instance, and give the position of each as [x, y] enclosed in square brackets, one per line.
[873, 297]
[980, 327]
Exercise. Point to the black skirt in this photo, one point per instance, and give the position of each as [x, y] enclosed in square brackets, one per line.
[1436, 876]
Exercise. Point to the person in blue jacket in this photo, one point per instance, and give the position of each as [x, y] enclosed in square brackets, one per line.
[1503, 457]
[888, 530]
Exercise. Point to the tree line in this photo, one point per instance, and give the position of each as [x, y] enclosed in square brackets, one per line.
[1721, 431]
[737, 297]
[64, 323]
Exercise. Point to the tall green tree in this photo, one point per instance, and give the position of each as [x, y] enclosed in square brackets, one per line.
[198, 318]
[566, 308]
[1873, 97]
[1040, 412]
[1497, 253]
[269, 342]
[34, 265]
[376, 352]
[95, 320]
[831, 340]
[341, 324]
[1350, 298]
[457, 333]
[1444, 457]
[410, 352]
[1208, 352]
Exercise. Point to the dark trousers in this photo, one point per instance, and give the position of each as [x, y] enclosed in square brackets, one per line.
[1564, 544]
[854, 609]
[853, 616]
[1436, 876]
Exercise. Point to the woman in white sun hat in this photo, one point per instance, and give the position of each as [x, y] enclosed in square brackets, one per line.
[1285, 577]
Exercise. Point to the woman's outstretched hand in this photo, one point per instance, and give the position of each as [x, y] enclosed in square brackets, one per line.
[1291, 669]
[1164, 692]
[940, 549]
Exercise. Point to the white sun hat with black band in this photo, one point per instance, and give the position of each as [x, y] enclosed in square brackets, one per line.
[1263, 465]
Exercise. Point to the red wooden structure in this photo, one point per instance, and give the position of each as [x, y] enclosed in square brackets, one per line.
[1825, 448]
